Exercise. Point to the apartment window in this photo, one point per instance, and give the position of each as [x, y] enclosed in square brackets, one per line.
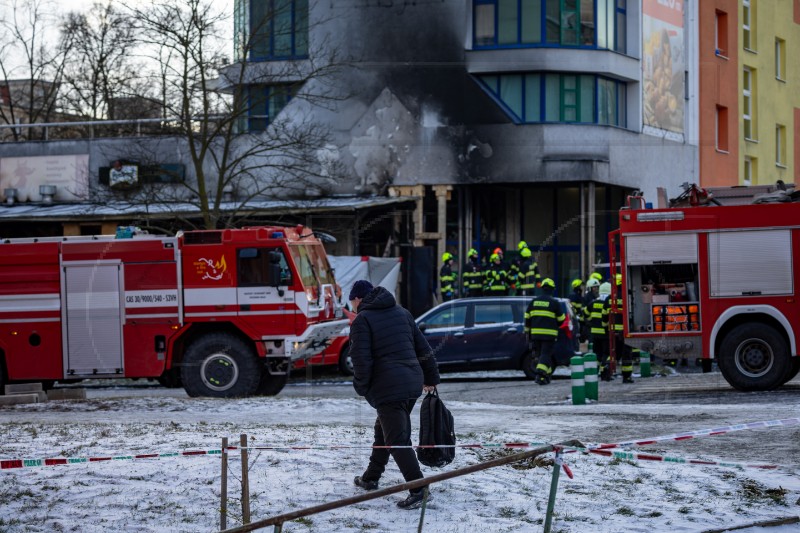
[721, 33]
[570, 98]
[515, 23]
[747, 37]
[750, 169]
[278, 29]
[722, 128]
[780, 59]
[780, 145]
[263, 103]
[748, 111]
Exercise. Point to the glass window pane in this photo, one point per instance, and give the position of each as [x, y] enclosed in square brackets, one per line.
[621, 44]
[531, 16]
[602, 30]
[587, 99]
[283, 28]
[448, 317]
[492, 82]
[301, 28]
[587, 22]
[533, 93]
[552, 98]
[622, 105]
[511, 93]
[507, 22]
[484, 25]
[259, 30]
[553, 22]
[493, 313]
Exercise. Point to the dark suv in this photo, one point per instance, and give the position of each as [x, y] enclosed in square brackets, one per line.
[488, 334]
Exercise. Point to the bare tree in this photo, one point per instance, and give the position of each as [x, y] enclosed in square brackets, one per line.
[31, 65]
[238, 141]
[102, 78]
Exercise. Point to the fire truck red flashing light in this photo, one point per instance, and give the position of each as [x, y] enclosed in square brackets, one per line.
[222, 312]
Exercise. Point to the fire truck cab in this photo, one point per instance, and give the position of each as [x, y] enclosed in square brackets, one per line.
[714, 282]
[222, 312]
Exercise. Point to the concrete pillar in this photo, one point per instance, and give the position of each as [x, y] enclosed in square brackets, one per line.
[442, 196]
[418, 193]
[591, 208]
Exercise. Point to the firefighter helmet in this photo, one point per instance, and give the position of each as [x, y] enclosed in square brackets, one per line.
[547, 282]
[447, 256]
[596, 275]
[618, 278]
[605, 288]
[576, 283]
[522, 245]
[472, 252]
[525, 252]
[592, 283]
[498, 251]
[494, 257]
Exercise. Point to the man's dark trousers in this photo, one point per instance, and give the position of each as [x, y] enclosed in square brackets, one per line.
[393, 427]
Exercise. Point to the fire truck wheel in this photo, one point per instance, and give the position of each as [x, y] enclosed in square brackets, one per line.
[795, 369]
[529, 363]
[345, 362]
[271, 384]
[754, 357]
[220, 365]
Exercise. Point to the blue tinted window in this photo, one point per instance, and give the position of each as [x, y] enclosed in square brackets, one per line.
[278, 30]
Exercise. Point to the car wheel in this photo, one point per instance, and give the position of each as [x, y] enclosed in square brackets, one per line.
[529, 363]
[345, 361]
[754, 357]
[271, 384]
[222, 366]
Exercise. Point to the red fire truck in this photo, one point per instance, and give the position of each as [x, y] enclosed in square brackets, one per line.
[714, 282]
[222, 312]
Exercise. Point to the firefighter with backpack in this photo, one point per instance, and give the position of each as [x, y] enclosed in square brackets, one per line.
[542, 319]
[622, 352]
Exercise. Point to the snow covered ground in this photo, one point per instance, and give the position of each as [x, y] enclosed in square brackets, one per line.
[182, 493]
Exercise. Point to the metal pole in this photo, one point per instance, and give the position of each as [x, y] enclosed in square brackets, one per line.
[551, 502]
[426, 491]
[223, 489]
[245, 481]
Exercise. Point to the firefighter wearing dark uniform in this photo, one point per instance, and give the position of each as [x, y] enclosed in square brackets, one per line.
[596, 317]
[472, 275]
[576, 302]
[542, 320]
[447, 278]
[515, 269]
[496, 278]
[529, 277]
[587, 296]
[623, 352]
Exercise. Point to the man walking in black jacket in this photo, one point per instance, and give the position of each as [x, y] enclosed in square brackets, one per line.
[392, 364]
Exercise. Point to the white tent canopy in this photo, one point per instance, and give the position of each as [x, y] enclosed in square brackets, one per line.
[383, 271]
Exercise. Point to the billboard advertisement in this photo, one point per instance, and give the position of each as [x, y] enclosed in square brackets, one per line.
[68, 173]
[663, 64]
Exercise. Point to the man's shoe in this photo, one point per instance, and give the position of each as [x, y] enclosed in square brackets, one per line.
[364, 484]
[414, 500]
[543, 379]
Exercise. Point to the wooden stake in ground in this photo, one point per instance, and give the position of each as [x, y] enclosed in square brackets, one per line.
[245, 481]
[223, 489]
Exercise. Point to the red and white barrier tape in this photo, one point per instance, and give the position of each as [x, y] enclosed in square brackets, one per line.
[636, 456]
[8, 464]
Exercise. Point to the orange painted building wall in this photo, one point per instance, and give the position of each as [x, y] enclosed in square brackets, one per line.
[719, 93]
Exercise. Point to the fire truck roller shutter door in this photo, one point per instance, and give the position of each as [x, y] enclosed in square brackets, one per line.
[754, 356]
[220, 365]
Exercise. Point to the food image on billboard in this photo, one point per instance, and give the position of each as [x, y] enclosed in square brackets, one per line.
[663, 64]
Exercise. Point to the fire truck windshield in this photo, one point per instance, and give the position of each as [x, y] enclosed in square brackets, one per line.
[312, 265]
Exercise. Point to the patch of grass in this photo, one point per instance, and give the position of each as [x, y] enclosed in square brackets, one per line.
[685, 510]
[625, 511]
[306, 521]
[653, 514]
[754, 491]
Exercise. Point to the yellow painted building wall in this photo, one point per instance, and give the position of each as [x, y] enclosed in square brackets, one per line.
[774, 100]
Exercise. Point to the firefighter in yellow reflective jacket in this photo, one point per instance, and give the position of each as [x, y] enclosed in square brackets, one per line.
[447, 278]
[472, 275]
[495, 277]
[529, 277]
[576, 302]
[596, 317]
[542, 320]
[623, 352]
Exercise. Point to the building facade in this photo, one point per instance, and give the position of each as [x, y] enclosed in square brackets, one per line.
[506, 120]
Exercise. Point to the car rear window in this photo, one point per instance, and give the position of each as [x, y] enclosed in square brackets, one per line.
[493, 313]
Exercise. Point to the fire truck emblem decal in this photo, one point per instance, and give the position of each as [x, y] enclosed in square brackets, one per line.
[210, 269]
